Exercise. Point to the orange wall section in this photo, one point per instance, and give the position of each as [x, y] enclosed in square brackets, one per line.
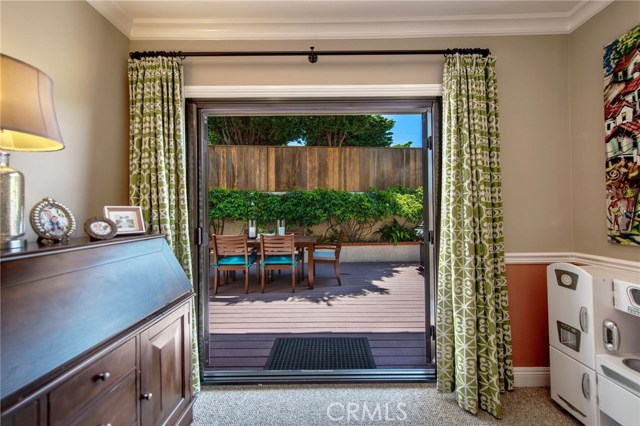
[527, 286]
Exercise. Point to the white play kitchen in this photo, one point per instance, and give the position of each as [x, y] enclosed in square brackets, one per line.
[594, 342]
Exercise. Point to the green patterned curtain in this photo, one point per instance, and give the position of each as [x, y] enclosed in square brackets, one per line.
[473, 329]
[157, 180]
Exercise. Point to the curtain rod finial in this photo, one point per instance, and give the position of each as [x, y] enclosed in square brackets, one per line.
[313, 56]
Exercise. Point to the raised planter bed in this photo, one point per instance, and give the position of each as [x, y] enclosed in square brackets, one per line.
[381, 252]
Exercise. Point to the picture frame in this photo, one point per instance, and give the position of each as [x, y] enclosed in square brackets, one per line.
[128, 219]
[52, 220]
[100, 228]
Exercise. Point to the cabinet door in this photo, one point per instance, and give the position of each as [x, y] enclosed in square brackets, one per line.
[618, 403]
[571, 313]
[573, 386]
[165, 368]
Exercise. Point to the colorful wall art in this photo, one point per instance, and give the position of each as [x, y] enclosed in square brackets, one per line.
[622, 137]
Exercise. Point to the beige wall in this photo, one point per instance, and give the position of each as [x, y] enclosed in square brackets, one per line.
[552, 164]
[533, 75]
[86, 57]
[587, 129]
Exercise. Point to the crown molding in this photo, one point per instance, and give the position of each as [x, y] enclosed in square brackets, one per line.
[114, 14]
[317, 30]
[585, 11]
[352, 28]
[313, 91]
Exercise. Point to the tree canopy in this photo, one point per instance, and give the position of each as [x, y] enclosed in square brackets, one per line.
[254, 130]
[322, 130]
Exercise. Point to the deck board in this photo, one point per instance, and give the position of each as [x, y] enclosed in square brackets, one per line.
[384, 302]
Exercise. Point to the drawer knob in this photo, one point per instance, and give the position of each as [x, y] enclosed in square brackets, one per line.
[147, 396]
[104, 376]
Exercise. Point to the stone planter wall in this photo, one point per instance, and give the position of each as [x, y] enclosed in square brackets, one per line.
[380, 252]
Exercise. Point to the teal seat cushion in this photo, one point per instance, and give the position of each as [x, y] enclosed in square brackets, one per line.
[277, 260]
[236, 260]
[324, 255]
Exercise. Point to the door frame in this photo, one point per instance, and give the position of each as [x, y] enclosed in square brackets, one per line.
[198, 171]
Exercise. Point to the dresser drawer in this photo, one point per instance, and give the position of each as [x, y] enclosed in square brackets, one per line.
[28, 415]
[117, 408]
[66, 400]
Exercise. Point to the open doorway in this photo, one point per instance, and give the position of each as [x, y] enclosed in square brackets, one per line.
[389, 303]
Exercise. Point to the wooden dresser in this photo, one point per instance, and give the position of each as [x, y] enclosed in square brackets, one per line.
[95, 333]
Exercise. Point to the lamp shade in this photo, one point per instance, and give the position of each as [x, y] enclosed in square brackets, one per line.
[27, 117]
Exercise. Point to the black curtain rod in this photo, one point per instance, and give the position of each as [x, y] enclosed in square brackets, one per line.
[311, 54]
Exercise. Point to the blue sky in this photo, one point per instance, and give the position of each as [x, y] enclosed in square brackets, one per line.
[408, 127]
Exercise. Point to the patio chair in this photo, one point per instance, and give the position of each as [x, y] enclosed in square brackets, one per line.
[329, 253]
[300, 251]
[230, 253]
[278, 252]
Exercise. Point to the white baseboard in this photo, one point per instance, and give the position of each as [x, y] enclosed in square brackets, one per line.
[526, 377]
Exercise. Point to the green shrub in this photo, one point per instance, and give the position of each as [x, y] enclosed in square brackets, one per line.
[303, 208]
[395, 232]
[227, 204]
[355, 213]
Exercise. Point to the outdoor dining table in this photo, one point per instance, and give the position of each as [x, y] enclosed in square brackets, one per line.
[300, 241]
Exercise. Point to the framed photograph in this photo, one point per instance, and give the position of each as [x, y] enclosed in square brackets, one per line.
[128, 219]
[52, 220]
[100, 228]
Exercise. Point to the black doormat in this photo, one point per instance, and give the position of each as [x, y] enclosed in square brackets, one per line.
[320, 353]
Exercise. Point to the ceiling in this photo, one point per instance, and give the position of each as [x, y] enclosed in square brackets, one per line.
[341, 19]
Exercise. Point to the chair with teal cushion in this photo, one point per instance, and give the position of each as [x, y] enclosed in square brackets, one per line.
[231, 253]
[329, 253]
[299, 232]
[278, 252]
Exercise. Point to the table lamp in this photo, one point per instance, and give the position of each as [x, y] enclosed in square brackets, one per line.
[27, 123]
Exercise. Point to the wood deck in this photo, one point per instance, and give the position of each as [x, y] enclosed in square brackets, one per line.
[381, 301]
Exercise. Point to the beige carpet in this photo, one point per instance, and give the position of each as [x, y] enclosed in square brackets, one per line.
[364, 404]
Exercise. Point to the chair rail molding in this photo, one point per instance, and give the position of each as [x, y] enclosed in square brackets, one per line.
[583, 258]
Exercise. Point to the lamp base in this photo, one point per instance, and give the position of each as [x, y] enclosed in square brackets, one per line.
[13, 244]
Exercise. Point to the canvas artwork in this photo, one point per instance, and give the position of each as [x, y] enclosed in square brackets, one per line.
[622, 137]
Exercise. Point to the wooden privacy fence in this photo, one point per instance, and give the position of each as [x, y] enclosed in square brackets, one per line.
[274, 169]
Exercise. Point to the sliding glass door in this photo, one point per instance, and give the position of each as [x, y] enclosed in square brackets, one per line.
[200, 166]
